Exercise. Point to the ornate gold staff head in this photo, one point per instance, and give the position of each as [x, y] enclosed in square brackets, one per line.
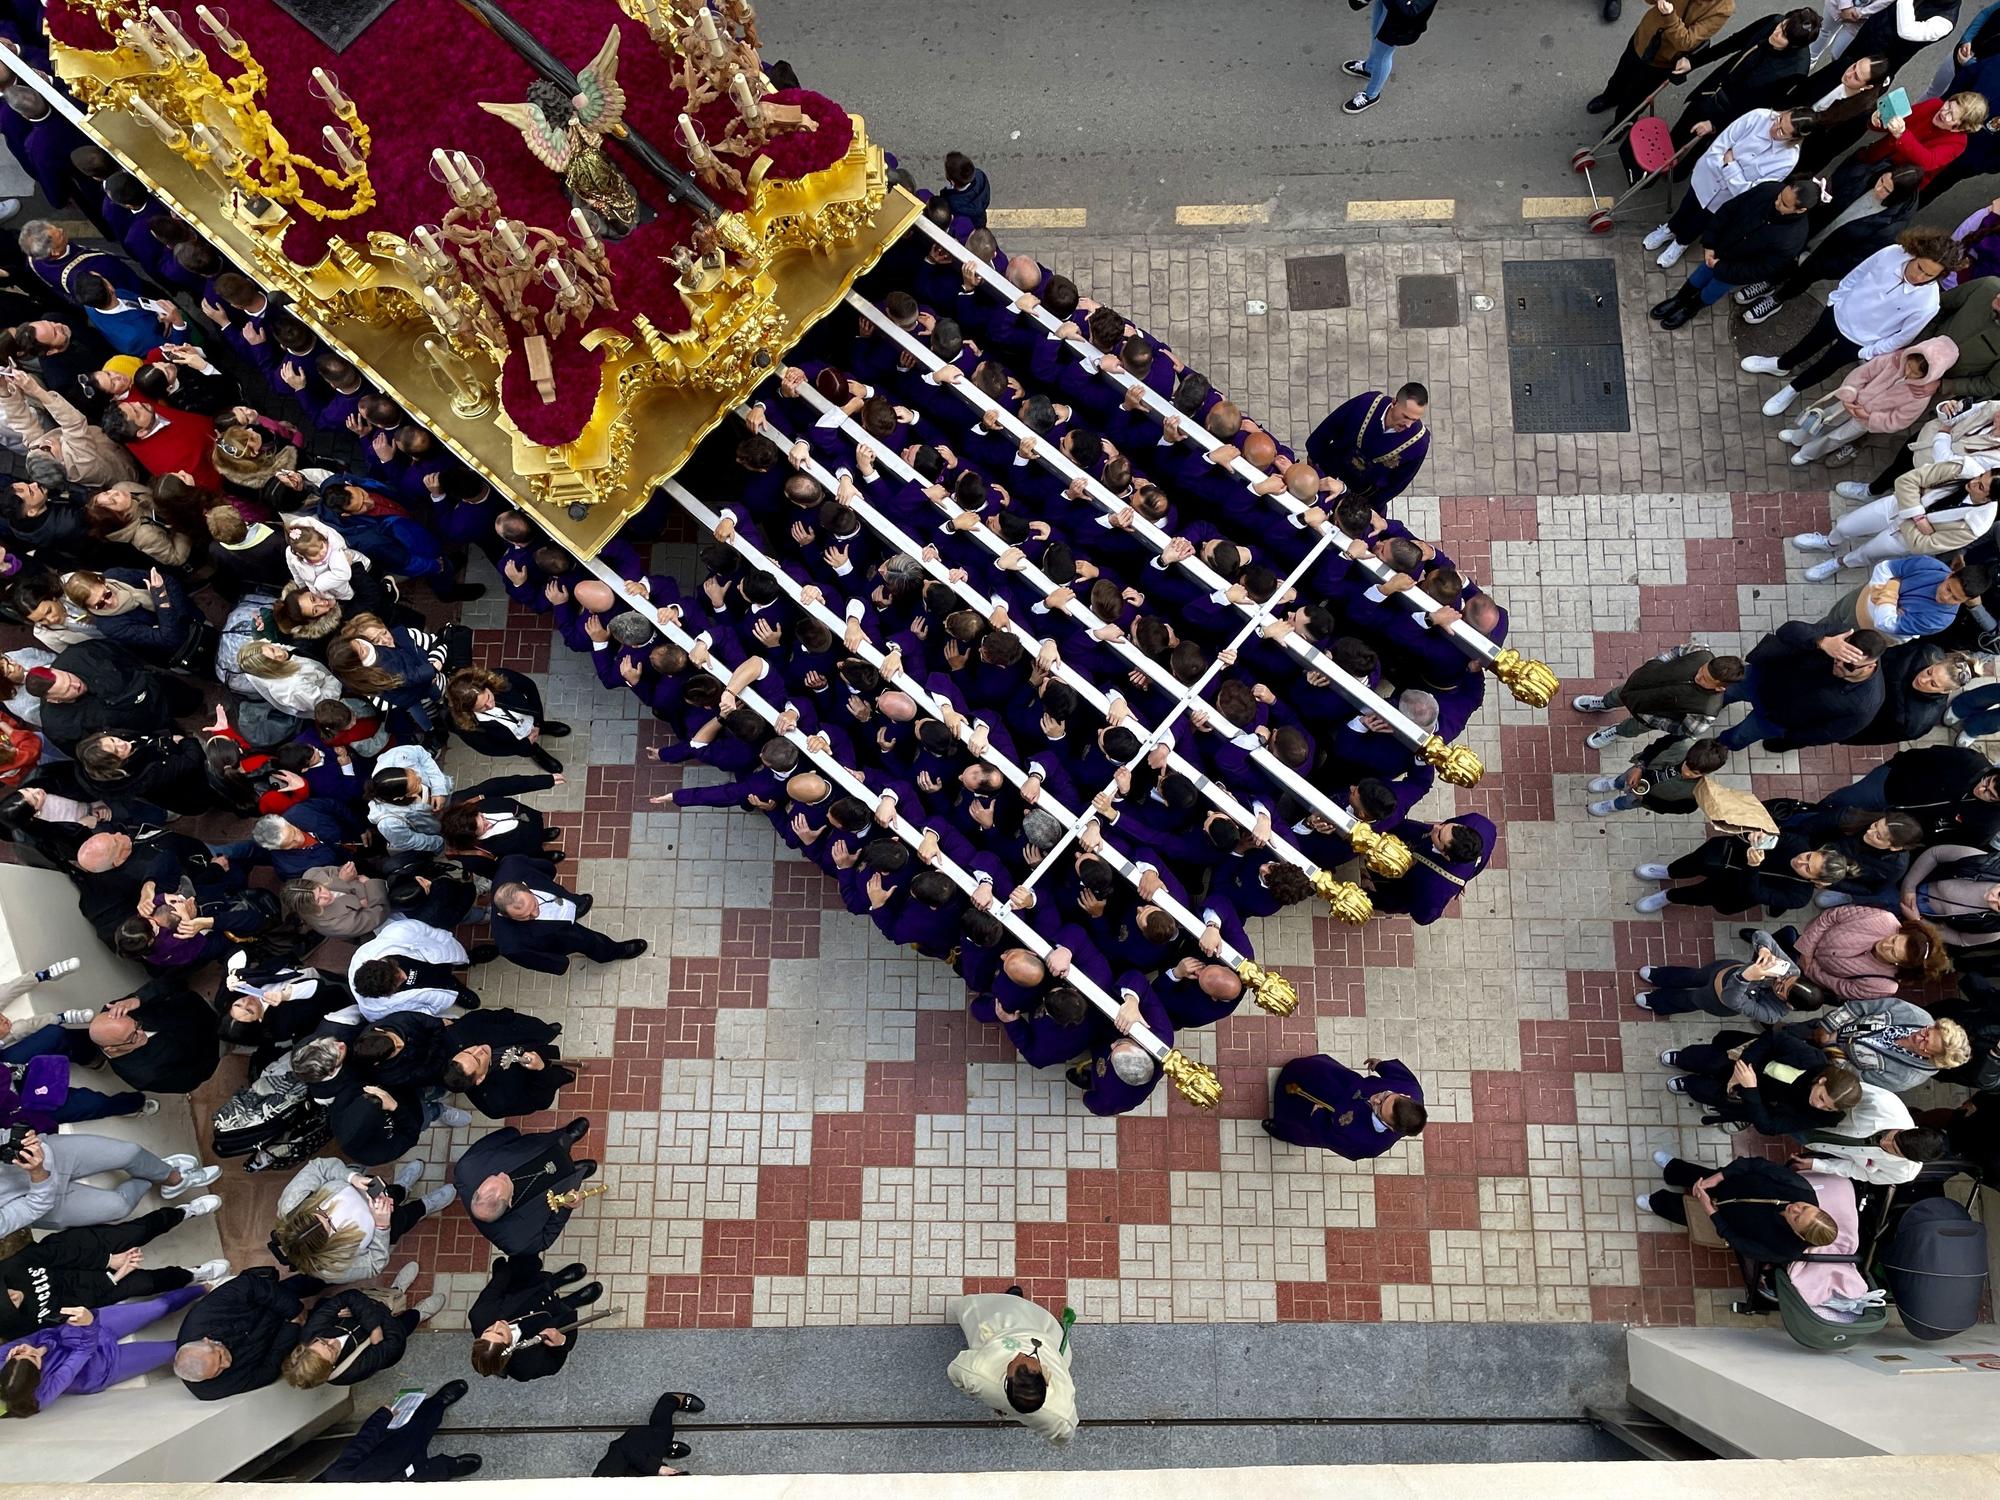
[1196, 1081]
[1273, 991]
[1531, 682]
[1343, 898]
[1454, 763]
[1386, 854]
[574, 1197]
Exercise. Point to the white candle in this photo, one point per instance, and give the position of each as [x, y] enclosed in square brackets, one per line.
[565, 288]
[434, 300]
[650, 11]
[448, 171]
[710, 35]
[739, 90]
[139, 36]
[337, 144]
[580, 222]
[468, 173]
[164, 128]
[433, 247]
[228, 39]
[183, 48]
[697, 148]
[216, 147]
[516, 251]
[329, 90]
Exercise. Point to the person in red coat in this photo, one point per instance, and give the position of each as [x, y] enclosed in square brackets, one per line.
[1930, 137]
[166, 440]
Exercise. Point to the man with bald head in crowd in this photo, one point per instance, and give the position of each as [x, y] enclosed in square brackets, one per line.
[521, 1189]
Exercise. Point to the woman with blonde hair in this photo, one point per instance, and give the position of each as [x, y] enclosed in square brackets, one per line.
[1890, 1043]
[337, 1222]
[288, 682]
[350, 1336]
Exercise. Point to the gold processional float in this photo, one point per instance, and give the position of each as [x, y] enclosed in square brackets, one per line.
[575, 362]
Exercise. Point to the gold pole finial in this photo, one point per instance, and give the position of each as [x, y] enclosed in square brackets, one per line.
[1196, 1081]
[1454, 763]
[1386, 854]
[1343, 898]
[1272, 990]
[1530, 681]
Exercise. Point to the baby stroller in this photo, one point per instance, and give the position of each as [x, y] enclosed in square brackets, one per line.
[1647, 143]
[1935, 1267]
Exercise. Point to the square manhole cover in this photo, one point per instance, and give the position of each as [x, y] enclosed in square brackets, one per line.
[1427, 301]
[1316, 282]
[1565, 354]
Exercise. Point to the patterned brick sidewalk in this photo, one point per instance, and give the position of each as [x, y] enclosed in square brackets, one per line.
[799, 1124]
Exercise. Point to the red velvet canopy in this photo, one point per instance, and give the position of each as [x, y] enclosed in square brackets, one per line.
[417, 76]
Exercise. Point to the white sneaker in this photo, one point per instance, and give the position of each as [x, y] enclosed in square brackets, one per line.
[1853, 489]
[1780, 403]
[1951, 717]
[1677, 1085]
[1793, 436]
[1965, 741]
[1819, 572]
[211, 1271]
[1588, 703]
[408, 1173]
[1598, 739]
[1671, 256]
[1604, 809]
[1803, 457]
[78, 1017]
[200, 1208]
[1761, 364]
[438, 1199]
[182, 1162]
[1651, 870]
[1603, 784]
[1670, 1057]
[430, 1307]
[453, 1117]
[1812, 541]
[1646, 972]
[201, 1177]
[150, 1107]
[1645, 1202]
[406, 1276]
[1644, 999]
[1651, 902]
[1661, 1158]
[1657, 237]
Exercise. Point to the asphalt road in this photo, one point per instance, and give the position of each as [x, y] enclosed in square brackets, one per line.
[1132, 108]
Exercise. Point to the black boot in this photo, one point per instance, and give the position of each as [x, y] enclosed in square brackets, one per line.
[463, 1465]
[1612, 10]
[1661, 311]
[1683, 312]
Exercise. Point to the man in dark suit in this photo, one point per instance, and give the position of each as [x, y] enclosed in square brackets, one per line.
[522, 1323]
[538, 924]
[236, 1338]
[505, 1180]
[161, 1040]
[380, 1454]
[1319, 1101]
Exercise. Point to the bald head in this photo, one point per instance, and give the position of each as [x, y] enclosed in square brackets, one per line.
[807, 786]
[491, 1198]
[112, 1031]
[1024, 271]
[596, 597]
[1219, 982]
[101, 852]
[897, 705]
[1022, 967]
[1302, 483]
[1262, 450]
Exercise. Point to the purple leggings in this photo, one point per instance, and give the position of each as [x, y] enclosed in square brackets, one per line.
[124, 1318]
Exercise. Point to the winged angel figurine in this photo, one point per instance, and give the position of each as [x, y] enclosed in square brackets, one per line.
[568, 136]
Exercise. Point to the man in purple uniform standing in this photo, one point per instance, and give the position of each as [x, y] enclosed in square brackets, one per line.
[1375, 443]
[1321, 1102]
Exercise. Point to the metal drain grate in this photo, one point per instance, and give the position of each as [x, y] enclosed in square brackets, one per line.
[1314, 283]
[1427, 301]
[1565, 355]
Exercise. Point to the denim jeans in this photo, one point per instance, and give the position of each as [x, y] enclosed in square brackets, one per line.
[1708, 286]
[1978, 709]
[1753, 728]
[1381, 55]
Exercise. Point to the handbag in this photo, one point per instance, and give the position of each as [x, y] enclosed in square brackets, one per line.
[1701, 1223]
[1732, 810]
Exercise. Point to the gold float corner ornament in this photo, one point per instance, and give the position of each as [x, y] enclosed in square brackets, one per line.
[1196, 1081]
[1272, 990]
[1386, 854]
[1346, 900]
[1454, 763]
[1530, 681]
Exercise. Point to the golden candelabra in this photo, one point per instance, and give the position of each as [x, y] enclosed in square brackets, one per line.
[218, 126]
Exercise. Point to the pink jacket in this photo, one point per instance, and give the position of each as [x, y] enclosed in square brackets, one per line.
[1836, 951]
[1877, 395]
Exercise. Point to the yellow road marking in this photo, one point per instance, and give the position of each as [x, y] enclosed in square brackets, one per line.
[1223, 213]
[1036, 218]
[1380, 210]
[1556, 208]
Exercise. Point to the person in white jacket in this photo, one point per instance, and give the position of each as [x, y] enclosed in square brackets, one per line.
[1936, 510]
[320, 559]
[1880, 305]
[1016, 1362]
[289, 683]
[1876, 1141]
[1761, 145]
